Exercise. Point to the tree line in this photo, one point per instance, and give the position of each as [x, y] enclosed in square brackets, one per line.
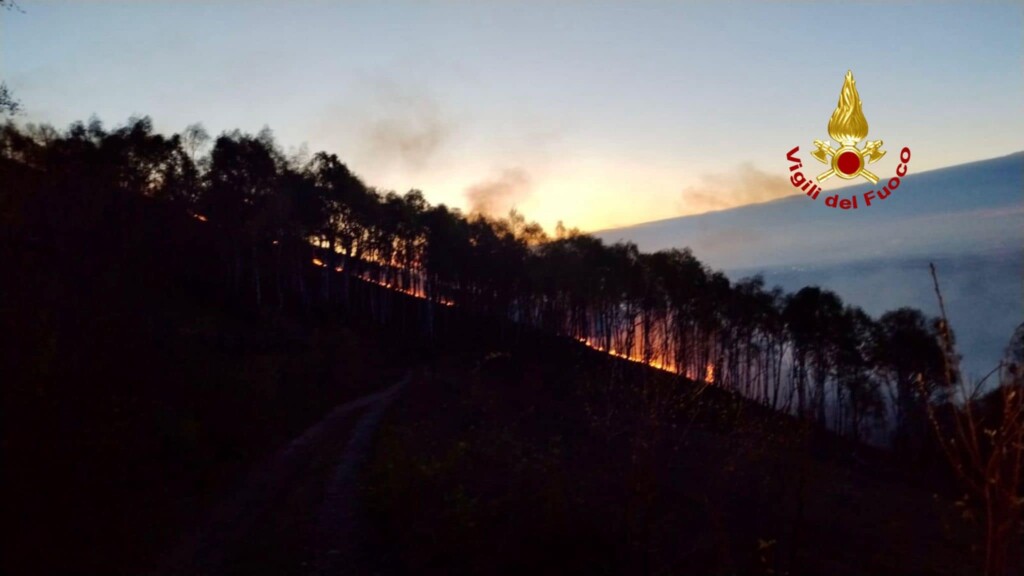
[155, 220]
[272, 215]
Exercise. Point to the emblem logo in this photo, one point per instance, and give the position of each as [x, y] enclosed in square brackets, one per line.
[848, 126]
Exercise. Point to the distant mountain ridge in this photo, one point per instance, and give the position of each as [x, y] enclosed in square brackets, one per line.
[968, 207]
[967, 219]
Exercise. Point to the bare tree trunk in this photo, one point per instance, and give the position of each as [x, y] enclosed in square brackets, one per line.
[256, 277]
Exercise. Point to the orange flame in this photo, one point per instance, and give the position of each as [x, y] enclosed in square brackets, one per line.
[414, 293]
[709, 375]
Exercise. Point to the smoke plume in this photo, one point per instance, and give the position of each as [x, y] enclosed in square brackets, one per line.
[382, 126]
[496, 196]
[745, 185]
[406, 129]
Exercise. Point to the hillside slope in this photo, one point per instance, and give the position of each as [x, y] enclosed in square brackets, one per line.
[967, 219]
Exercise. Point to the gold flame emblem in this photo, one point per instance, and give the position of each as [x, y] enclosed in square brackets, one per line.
[848, 127]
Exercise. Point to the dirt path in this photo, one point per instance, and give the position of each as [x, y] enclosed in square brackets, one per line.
[296, 513]
[340, 538]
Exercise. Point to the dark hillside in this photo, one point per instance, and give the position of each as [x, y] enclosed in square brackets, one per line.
[547, 458]
[173, 326]
[137, 391]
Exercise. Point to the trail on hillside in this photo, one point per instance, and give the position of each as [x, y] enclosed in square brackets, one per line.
[340, 538]
[296, 513]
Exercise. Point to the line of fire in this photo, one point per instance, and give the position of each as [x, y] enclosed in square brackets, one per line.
[631, 336]
[680, 335]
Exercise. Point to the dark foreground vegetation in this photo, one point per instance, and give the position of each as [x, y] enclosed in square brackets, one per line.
[174, 308]
[546, 458]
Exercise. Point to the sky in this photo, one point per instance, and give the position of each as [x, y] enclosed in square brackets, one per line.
[596, 114]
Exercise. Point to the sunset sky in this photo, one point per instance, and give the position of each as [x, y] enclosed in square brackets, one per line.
[597, 114]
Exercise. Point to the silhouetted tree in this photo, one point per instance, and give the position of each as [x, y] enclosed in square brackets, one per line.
[8, 104]
[271, 217]
[912, 365]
